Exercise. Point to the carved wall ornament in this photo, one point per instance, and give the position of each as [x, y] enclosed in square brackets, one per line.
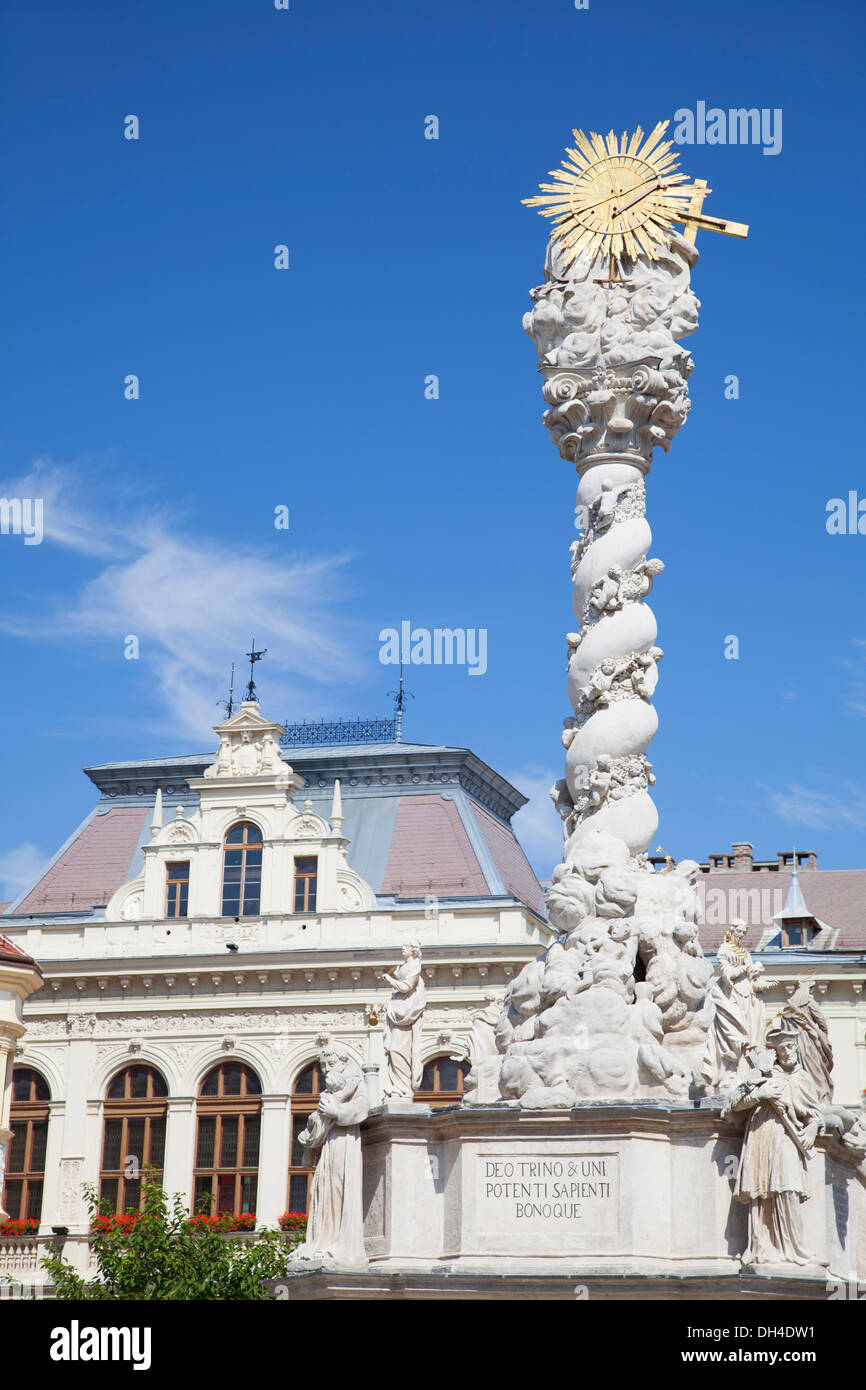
[354, 893]
[127, 904]
[212, 1024]
[307, 826]
[180, 833]
[248, 747]
[69, 1203]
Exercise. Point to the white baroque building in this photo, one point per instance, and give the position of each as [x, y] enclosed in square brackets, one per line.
[209, 923]
[214, 918]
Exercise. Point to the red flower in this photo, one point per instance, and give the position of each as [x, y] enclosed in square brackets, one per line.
[225, 1223]
[18, 1227]
[293, 1221]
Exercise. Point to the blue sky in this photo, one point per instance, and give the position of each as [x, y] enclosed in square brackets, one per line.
[305, 388]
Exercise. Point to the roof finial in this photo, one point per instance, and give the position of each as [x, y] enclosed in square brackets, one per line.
[254, 656]
[156, 822]
[337, 809]
[228, 705]
[400, 696]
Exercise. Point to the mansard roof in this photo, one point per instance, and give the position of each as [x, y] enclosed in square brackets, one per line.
[422, 820]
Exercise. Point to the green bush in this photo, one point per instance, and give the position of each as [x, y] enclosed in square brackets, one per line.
[163, 1255]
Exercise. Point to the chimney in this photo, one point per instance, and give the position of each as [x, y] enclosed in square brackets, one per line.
[743, 853]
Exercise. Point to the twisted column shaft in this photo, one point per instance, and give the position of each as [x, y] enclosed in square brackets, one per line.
[615, 383]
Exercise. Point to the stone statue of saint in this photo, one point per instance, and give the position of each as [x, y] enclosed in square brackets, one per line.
[816, 1050]
[780, 1134]
[482, 1083]
[403, 1026]
[737, 1012]
[335, 1221]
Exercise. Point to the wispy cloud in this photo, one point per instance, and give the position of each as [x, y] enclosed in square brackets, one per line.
[819, 810]
[65, 522]
[192, 603]
[538, 826]
[19, 868]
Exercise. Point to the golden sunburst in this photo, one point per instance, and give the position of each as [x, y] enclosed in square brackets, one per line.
[622, 196]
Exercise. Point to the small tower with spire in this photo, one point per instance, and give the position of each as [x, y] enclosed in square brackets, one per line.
[798, 925]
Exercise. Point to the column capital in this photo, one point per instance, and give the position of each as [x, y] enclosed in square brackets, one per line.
[608, 414]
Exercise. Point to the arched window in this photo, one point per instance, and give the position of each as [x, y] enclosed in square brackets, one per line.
[25, 1159]
[242, 871]
[227, 1142]
[133, 1135]
[442, 1082]
[305, 1099]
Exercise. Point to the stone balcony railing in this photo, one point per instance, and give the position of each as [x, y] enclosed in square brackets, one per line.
[21, 1260]
[22, 1274]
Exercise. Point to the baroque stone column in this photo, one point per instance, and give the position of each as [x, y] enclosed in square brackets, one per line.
[615, 384]
[615, 1007]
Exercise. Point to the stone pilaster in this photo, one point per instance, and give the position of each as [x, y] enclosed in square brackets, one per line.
[19, 978]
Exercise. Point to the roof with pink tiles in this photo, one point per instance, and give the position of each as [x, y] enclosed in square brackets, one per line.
[92, 867]
[513, 865]
[431, 852]
[837, 897]
[14, 954]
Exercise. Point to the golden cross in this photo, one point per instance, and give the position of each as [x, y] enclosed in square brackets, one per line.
[692, 218]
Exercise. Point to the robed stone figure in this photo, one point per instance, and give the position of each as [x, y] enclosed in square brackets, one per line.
[737, 1011]
[403, 1026]
[780, 1133]
[335, 1221]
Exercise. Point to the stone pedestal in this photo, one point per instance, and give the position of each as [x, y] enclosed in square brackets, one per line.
[620, 1200]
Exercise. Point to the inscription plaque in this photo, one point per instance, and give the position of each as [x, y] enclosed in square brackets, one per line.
[550, 1190]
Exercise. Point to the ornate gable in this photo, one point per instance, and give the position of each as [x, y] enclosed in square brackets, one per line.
[249, 747]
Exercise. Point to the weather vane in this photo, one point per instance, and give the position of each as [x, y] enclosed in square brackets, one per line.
[622, 197]
[400, 697]
[254, 656]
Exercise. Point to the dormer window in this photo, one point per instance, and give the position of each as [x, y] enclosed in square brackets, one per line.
[306, 875]
[798, 933]
[242, 871]
[177, 889]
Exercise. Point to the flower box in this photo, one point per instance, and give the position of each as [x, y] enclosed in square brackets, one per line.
[225, 1224]
[294, 1223]
[20, 1228]
[105, 1224]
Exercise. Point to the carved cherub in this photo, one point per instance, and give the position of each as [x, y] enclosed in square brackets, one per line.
[638, 582]
[605, 595]
[599, 782]
[644, 664]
